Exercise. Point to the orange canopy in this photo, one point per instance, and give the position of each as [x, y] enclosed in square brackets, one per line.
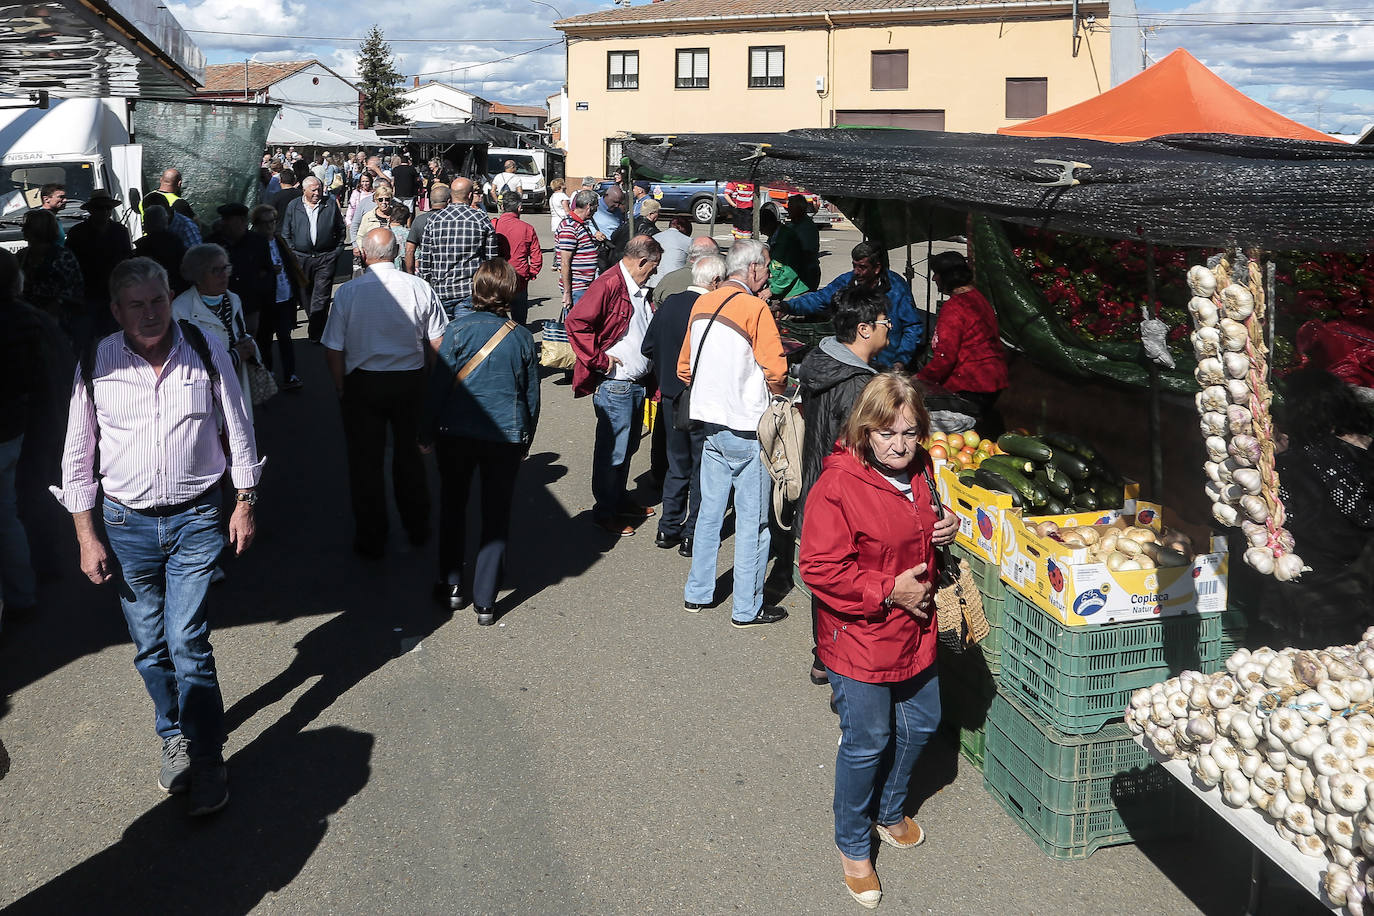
[1178, 95]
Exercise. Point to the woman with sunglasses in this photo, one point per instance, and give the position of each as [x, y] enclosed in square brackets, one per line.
[212, 307]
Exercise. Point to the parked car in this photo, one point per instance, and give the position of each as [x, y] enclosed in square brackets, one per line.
[694, 198]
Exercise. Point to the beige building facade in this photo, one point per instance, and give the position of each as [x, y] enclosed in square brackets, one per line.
[697, 66]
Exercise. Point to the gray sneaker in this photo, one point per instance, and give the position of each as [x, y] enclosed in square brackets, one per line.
[209, 787]
[176, 765]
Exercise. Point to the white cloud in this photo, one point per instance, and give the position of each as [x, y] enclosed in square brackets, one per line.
[526, 79]
[1310, 60]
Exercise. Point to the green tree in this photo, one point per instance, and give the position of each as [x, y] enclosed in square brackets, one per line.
[379, 79]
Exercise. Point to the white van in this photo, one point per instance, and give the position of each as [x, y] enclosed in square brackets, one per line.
[530, 174]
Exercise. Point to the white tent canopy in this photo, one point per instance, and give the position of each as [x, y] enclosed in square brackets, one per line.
[319, 136]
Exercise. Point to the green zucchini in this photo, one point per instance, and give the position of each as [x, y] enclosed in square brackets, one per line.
[1029, 490]
[1071, 465]
[1011, 463]
[1055, 507]
[966, 477]
[1057, 481]
[1066, 443]
[1101, 468]
[1086, 501]
[1024, 447]
[995, 482]
[1111, 497]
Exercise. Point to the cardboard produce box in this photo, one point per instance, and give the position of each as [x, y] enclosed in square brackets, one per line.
[980, 514]
[1066, 585]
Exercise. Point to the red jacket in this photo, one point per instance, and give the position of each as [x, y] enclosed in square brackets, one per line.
[859, 533]
[967, 352]
[518, 244]
[600, 318]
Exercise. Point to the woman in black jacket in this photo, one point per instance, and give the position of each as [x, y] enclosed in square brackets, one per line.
[483, 422]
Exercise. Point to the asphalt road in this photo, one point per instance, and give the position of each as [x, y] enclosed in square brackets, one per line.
[599, 751]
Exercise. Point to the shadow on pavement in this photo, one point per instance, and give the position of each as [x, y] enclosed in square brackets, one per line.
[283, 788]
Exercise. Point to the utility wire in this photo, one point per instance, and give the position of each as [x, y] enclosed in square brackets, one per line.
[360, 39]
[487, 63]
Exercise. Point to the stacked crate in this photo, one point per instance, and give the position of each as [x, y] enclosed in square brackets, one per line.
[968, 681]
[1058, 757]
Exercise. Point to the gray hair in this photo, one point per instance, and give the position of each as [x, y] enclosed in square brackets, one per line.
[378, 182]
[155, 218]
[649, 209]
[134, 272]
[197, 260]
[703, 246]
[374, 252]
[440, 194]
[312, 178]
[584, 199]
[707, 269]
[743, 254]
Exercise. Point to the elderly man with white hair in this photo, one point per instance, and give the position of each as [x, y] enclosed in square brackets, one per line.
[313, 228]
[734, 353]
[384, 331]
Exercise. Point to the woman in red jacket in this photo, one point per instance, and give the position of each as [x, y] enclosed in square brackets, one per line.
[967, 356]
[868, 558]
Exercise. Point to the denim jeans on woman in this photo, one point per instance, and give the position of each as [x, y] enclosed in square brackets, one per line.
[164, 572]
[883, 728]
[731, 460]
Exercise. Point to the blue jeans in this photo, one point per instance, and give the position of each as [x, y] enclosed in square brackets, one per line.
[731, 461]
[18, 587]
[883, 728]
[165, 566]
[619, 415]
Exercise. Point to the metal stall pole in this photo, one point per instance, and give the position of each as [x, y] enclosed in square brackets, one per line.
[758, 209]
[1156, 446]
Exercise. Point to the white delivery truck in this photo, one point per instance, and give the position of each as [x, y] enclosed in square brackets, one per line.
[80, 143]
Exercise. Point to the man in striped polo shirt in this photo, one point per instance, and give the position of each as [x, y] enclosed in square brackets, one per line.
[576, 249]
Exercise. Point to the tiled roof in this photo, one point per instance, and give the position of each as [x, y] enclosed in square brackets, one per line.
[739, 9]
[230, 77]
[525, 111]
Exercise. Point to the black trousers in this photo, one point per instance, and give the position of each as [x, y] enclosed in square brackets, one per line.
[497, 464]
[682, 483]
[278, 320]
[319, 280]
[372, 401]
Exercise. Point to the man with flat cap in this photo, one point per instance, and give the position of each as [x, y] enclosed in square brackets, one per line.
[250, 259]
[99, 243]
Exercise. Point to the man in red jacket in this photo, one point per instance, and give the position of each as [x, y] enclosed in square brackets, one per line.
[606, 331]
[518, 243]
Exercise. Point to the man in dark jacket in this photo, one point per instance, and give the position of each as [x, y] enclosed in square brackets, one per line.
[662, 344]
[313, 228]
[289, 191]
[253, 280]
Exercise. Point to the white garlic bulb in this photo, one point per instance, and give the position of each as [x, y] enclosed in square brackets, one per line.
[1237, 365]
[1204, 311]
[1206, 342]
[1238, 302]
[1210, 371]
[1201, 281]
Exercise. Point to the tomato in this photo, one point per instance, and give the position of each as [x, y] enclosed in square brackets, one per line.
[956, 441]
[938, 436]
[972, 438]
[965, 459]
[938, 451]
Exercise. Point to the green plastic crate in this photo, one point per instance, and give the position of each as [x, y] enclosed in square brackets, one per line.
[1071, 773]
[967, 689]
[972, 745]
[1149, 816]
[1080, 678]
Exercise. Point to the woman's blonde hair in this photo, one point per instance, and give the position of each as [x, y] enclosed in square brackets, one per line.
[878, 407]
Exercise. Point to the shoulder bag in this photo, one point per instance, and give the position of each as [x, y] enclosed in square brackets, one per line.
[959, 617]
[682, 402]
[483, 353]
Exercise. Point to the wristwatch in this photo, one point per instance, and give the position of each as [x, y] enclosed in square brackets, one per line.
[248, 496]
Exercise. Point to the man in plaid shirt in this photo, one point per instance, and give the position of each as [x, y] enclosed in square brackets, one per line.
[457, 240]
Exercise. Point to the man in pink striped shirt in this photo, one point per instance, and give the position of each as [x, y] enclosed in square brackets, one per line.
[148, 409]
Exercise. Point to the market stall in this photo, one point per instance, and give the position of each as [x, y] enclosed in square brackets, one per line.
[1095, 586]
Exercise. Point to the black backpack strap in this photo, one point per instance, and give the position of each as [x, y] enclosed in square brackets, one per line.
[196, 338]
[87, 364]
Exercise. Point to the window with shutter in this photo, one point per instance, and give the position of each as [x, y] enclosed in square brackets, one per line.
[909, 119]
[693, 68]
[766, 68]
[622, 70]
[889, 70]
[1027, 97]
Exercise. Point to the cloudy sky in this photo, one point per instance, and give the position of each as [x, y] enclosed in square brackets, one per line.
[1312, 60]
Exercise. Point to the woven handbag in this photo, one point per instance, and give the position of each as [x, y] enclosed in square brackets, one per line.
[959, 607]
[262, 384]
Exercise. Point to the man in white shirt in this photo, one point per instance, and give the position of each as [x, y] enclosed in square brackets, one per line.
[384, 330]
[606, 330]
[506, 181]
